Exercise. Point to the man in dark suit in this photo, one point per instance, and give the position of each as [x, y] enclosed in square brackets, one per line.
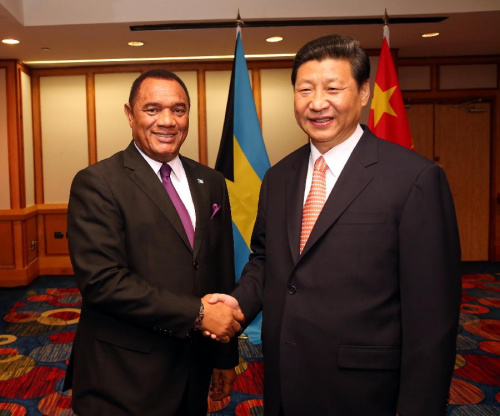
[360, 314]
[144, 266]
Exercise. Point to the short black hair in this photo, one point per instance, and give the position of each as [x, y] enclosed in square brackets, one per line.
[335, 47]
[158, 74]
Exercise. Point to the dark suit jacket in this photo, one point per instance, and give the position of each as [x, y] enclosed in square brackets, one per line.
[141, 283]
[363, 322]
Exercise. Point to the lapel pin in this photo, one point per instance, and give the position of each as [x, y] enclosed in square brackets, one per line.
[200, 180]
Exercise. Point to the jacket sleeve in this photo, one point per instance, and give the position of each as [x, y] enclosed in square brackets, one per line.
[430, 285]
[250, 287]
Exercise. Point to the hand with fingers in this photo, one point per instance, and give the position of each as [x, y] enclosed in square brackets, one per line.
[222, 383]
[221, 321]
[228, 300]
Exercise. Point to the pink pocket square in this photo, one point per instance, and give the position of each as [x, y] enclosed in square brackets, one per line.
[215, 210]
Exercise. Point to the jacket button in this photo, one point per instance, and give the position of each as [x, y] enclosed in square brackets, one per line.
[196, 265]
[292, 290]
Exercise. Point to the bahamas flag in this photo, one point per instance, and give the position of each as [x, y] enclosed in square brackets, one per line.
[243, 161]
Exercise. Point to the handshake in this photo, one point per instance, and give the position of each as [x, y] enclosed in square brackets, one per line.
[223, 317]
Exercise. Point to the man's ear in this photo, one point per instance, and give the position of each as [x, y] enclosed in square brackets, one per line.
[128, 113]
[364, 93]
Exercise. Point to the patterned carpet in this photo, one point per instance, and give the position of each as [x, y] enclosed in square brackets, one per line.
[475, 388]
[39, 322]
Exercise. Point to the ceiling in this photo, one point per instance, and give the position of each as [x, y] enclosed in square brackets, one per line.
[100, 29]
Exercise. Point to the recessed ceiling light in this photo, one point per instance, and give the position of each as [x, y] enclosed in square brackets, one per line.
[10, 41]
[273, 39]
[135, 43]
[430, 35]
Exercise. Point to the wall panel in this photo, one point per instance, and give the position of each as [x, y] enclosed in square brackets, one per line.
[56, 238]
[4, 146]
[190, 148]
[30, 240]
[113, 131]
[64, 133]
[29, 168]
[467, 76]
[281, 133]
[6, 245]
[414, 78]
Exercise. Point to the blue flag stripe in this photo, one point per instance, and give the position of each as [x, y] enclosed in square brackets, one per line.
[246, 123]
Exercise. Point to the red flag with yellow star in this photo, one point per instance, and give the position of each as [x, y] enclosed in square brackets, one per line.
[387, 113]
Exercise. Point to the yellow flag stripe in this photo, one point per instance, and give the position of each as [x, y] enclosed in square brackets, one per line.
[243, 193]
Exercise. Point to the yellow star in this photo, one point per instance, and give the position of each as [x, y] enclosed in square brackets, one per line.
[380, 102]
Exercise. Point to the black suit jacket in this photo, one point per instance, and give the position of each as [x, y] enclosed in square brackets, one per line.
[141, 283]
[364, 321]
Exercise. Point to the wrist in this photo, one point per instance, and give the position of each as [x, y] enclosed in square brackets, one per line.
[199, 318]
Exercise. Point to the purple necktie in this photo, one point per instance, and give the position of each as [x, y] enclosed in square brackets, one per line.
[165, 171]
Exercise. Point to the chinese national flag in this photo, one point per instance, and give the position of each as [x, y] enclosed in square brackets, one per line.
[387, 113]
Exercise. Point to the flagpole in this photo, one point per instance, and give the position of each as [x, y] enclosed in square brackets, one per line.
[386, 27]
[239, 23]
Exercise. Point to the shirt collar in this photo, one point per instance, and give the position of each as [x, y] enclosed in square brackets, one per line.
[337, 156]
[175, 163]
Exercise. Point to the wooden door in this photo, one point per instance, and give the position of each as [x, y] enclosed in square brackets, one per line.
[462, 148]
[421, 121]
[458, 139]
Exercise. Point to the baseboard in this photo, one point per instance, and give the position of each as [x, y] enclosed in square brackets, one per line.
[19, 277]
[55, 265]
[42, 266]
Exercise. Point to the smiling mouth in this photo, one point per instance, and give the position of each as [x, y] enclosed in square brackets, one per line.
[164, 135]
[321, 120]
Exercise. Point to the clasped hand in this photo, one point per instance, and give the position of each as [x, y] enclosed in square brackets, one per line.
[223, 317]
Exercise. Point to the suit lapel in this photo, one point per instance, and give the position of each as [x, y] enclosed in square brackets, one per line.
[200, 194]
[144, 177]
[354, 178]
[295, 188]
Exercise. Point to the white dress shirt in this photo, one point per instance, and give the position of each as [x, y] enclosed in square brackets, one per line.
[335, 158]
[179, 180]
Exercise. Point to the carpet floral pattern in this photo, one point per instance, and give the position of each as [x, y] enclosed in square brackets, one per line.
[36, 333]
[38, 326]
[475, 388]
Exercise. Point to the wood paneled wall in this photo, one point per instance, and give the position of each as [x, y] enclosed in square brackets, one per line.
[463, 93]
[33, 238]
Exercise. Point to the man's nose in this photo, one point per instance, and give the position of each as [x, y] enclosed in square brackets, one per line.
[318, 101]
[166, 118]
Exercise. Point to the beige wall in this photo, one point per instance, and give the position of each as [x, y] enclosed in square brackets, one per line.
[4, 148]
[63, 105]
[190, 148]
[29, 170]
[64, 121]
[112, 129]
[281, 133]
